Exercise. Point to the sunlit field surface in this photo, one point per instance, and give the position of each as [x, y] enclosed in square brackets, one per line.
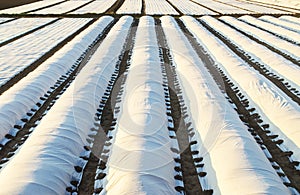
[150, 97]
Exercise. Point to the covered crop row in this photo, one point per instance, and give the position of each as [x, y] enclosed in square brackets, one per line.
[45, 162]
[141, 155]
[98, 7]
[222, 8]
[191, 8]
[253, 7]
[17, 102]
[159, 7]
[62, 7]
[21, 26]
[283, 23]
[269, 62]
[288, 49]
[130, 7]
[216, 121]
[274, 29]
[25, 51]
[30, 7]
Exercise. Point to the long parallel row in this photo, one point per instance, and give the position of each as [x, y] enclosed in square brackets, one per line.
[19, 103]
[289, 50]
[254, 7]
[292, 19]
[141, 155]
[130, 7]
[12, 29]
[279, 22]
[31, 7]
[98, 6]
[270, 63]
[276, 107]
[26, 50]
[142, 148]
[222, 8]
[189, 7]
[216, 121]
[159, 7]
[274, 29]
[284, 9]
[58, 140]
[62, 7]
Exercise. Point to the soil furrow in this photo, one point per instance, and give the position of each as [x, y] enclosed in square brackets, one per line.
[259, 131]
[49, 99]
[114, 8]
[190, 176]
[107, 118]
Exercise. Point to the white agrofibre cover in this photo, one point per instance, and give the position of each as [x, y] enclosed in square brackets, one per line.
[273, 105]
[23, 96]
[45, 163]
[141, 161]
[29, 7]
[259, 53]
[233, 161]
[290, 35]
[17, 27]
[284, 46]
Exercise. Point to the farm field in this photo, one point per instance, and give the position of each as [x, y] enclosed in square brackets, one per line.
[150, 97]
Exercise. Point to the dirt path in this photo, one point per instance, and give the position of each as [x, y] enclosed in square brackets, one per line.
[190, 177]
[107, 120]
[13, 3]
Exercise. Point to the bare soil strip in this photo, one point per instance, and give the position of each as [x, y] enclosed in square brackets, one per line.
[13, 3]
[190, 176]
[27, 33]
[39, 61]
[114, 8]
[143, 11]
[274, 49]
[258, 130]
[49, 98]
[107, 120]
[279, 82]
